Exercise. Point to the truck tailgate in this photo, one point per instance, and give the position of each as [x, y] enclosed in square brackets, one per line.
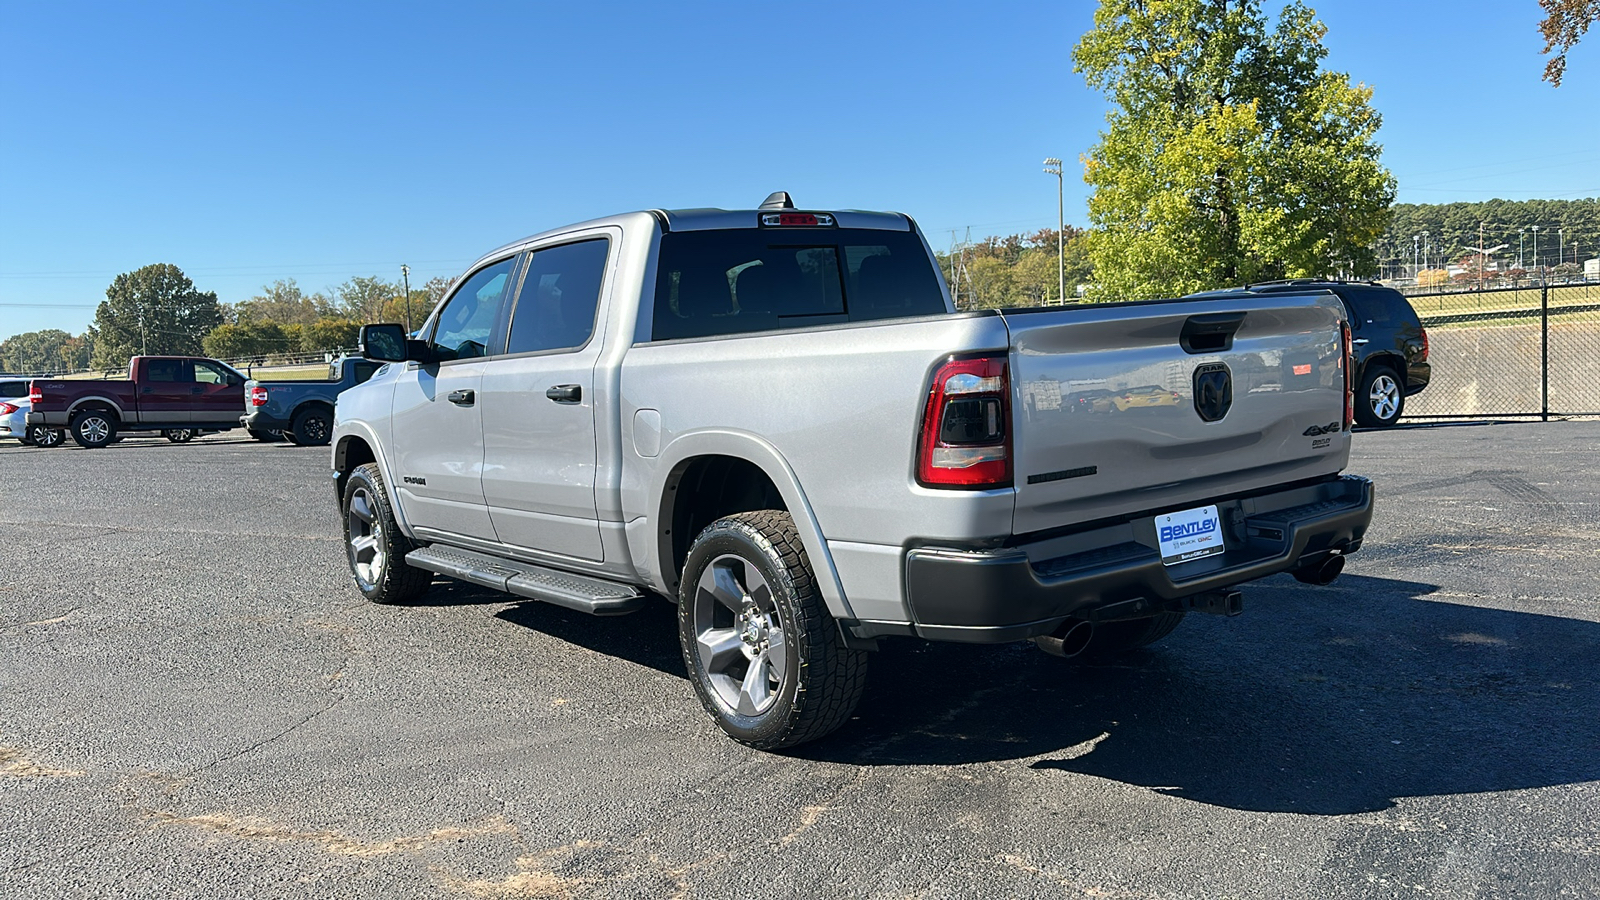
[1106, 419]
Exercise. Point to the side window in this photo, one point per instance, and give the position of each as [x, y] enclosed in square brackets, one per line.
[466, 323]
[168, 371]
[206, 373]
[364, 371]
[560, 294]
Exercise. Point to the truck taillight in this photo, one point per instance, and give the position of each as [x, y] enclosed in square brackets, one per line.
[1424, 344]
[35, 393]
[258, 396]
[1349, 364]
[966, 426]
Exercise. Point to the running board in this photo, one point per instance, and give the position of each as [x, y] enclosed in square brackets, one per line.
[580, 592]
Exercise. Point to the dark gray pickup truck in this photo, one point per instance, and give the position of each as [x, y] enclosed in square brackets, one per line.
[302, 411]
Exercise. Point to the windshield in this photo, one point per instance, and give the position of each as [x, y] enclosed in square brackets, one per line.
[739, 280]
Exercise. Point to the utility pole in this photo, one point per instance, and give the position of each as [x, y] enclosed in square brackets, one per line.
[1415, 243]
[1561, 257]
[1536, 254]
[1519, 248]
[405, 275]
[1482, 260]
[1052, 166]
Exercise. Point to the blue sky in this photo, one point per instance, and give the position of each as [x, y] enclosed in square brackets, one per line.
[250, 142]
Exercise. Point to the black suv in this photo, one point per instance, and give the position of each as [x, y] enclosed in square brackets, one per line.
[1390, 345]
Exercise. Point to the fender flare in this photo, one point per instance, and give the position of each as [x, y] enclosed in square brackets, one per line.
[763, 455]
[360, 430]
[97, 400]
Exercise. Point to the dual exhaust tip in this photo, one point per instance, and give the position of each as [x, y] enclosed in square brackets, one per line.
[1074, 636]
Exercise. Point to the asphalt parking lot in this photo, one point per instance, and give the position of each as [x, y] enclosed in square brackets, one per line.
[194, 702]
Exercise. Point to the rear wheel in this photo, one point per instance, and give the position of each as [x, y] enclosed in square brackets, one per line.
[179, 435]
[374, 544]
[41, 436]
[312, 427]
[762, 651]
[266, 437]
[94, 428]
[1380, 398]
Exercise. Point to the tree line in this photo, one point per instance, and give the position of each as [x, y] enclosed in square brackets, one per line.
[158, 310]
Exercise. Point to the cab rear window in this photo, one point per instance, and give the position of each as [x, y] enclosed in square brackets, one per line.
[734, 281]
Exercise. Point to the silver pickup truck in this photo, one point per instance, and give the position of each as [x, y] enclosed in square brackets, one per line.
[775, 418]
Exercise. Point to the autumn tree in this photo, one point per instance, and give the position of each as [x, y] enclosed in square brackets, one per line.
[1565, 22]
[1229, 155]
[153, 310]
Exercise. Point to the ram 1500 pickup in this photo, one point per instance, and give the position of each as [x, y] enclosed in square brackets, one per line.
[776, 418]
[179, 396]
[301, 411]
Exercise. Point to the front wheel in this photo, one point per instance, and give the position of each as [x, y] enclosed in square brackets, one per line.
[374, 544]
[94, 428]
[761, 649]
[179, 435]
[1380, 398]
[42, 436]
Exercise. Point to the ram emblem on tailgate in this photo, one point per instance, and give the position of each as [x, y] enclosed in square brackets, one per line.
[1213, 391]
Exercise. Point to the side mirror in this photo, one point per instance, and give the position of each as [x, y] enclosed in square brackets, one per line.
[383, 343]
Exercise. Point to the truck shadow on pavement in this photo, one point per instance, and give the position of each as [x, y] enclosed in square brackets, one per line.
[1322, 701]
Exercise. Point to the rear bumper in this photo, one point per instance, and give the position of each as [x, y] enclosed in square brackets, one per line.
[58, 419]
[1115, 571]
[261, 421]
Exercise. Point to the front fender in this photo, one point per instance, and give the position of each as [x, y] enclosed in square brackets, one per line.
[759, 452]
[343, 433]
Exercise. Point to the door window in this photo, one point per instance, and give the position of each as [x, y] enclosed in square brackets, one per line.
[467, 322]
[560, 294]
[171, 371]
[208, 373]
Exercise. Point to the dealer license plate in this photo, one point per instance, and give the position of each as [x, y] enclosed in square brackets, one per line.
[1191, 534]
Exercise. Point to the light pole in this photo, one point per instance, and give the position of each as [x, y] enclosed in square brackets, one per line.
[1427, 244]
[1415, 270]
[1536, 254]
[405, 275]
[1561, 257]
[1052, 166]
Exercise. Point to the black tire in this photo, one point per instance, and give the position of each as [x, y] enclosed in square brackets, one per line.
[45, 436]
[94, 428]
[312, 427]
[784, 624]
[266, 437]
[179, 435]
[1380, 398]
[383, 576]
[1113, 638]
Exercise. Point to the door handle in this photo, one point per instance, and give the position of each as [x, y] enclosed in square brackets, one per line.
[196, 390]
[1359, 342]
[148, 390]
[565, 393]
[462, 398]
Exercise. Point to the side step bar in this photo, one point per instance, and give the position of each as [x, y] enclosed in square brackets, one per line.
[595, 596]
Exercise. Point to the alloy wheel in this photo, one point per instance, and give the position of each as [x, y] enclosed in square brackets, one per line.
[739, 636]
[365, 534]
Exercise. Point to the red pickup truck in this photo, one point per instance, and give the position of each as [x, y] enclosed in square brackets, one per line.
[177, 395]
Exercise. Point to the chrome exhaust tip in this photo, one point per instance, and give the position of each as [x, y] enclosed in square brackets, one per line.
[1068, 640]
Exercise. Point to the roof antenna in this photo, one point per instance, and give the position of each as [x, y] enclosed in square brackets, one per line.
[777, 200]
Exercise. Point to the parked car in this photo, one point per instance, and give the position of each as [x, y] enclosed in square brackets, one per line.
[301, 411]
[777, 418]
[1389, 345]
[178, 396]
[14, 423]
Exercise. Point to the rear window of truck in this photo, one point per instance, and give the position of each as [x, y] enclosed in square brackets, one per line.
[740, 280]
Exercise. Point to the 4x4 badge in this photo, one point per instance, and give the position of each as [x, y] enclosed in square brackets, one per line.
[1213, 391]
[1315, 430]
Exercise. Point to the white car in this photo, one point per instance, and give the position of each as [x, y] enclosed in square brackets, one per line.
[14, 420]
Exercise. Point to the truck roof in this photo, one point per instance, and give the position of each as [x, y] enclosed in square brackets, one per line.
[712, 218]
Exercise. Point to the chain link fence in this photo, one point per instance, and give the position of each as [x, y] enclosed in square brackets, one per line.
[1507, 353]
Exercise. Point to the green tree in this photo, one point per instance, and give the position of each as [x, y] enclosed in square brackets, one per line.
[285, 303]
[153, 310]
[1230, 155]
[329, 334]
[365, 299]
[40, 352]
[248, 340]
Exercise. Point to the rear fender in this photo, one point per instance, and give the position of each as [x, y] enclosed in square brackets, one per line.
[755, 450]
